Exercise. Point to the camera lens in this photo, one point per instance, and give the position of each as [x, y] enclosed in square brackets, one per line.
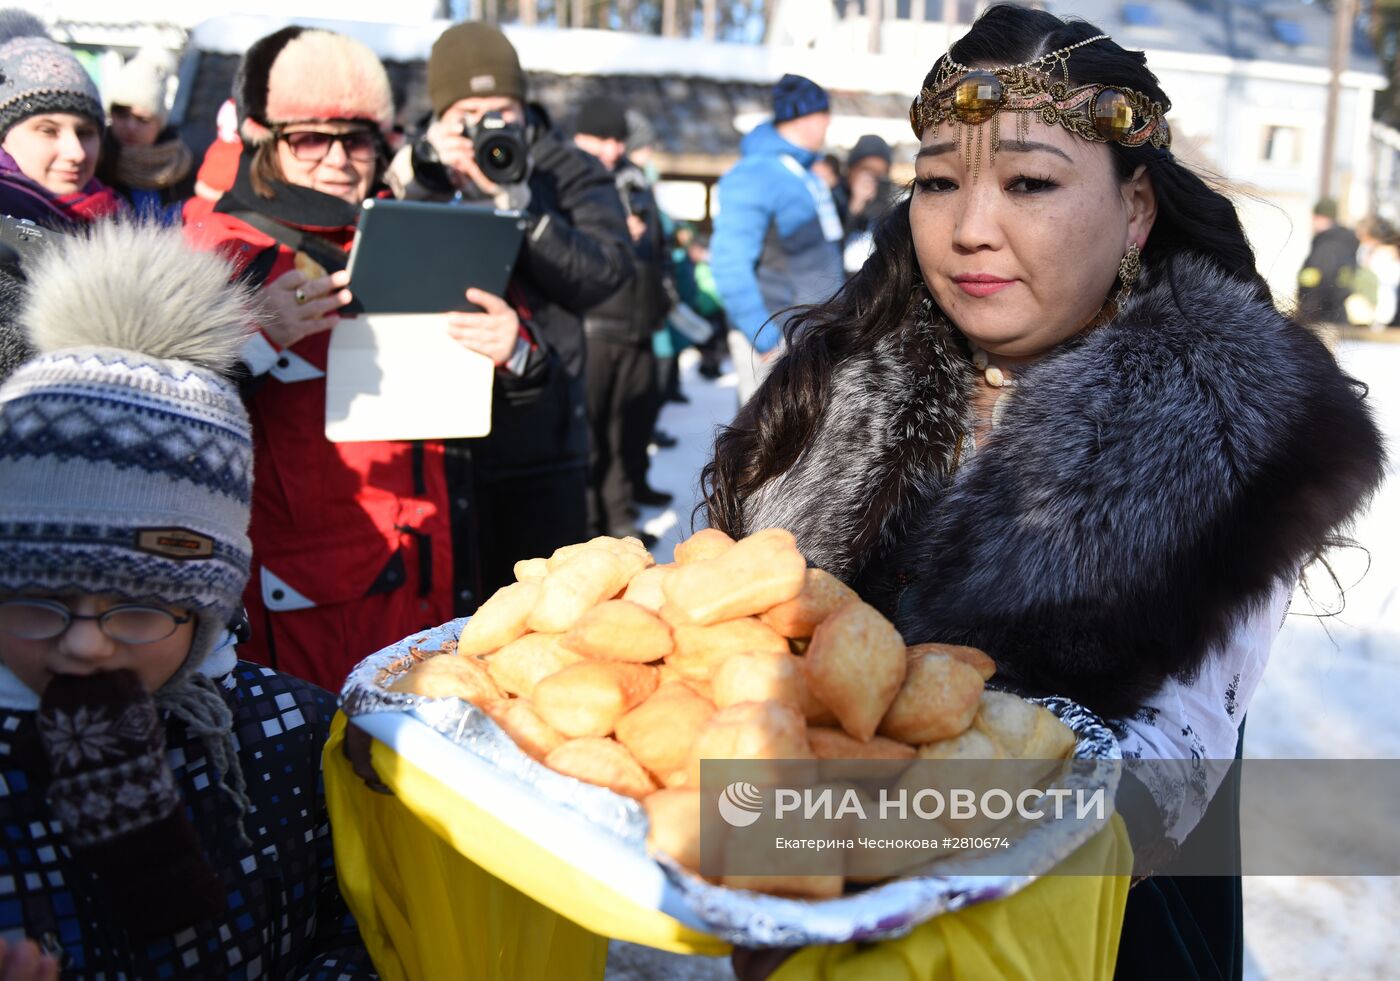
[501, 155]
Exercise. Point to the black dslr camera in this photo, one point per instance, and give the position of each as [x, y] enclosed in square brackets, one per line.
[21, 239]
[500, 148]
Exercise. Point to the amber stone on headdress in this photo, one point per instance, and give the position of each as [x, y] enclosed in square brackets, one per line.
[1113, 115]
[977, 97]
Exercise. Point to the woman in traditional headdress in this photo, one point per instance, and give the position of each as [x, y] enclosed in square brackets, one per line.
[1057, 416]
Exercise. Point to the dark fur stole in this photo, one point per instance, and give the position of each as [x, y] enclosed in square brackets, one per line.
[1149, 482]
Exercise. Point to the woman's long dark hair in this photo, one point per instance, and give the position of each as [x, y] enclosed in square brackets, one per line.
[775, 425]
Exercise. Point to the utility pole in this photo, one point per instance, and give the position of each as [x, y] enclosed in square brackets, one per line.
[668, 18]
[1343, 17]
[711, 20]
[875, 12]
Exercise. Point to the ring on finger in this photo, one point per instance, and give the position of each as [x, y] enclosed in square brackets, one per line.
[300, 295]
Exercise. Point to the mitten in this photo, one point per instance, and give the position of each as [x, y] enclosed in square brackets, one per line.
[121, 809]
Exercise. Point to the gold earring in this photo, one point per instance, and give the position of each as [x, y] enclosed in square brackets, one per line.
[1128, 271]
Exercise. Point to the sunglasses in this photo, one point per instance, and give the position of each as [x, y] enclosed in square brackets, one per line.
[361, 145]
[129, 623]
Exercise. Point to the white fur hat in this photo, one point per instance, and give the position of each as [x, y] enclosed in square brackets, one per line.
[142, 84]
[299, 74]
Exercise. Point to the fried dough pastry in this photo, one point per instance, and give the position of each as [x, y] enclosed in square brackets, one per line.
[752, 577]
[645, 588]
[522, 664]
[673, 614]
[673, 825]
[531, 570]
[519, 720]
[619, 546]
[833, 744]
[604, 762]
[1025, 731]
[707, 543]
[700, 650]
[970, 745]
[760, 676]
[660, 731]
[822, 595]
[580, 582]
[855, 666]
[587, 699]
[500, 620]
[751, 731]
[450, 676]
[938, 699]
[700, 686]
[620, 631]
[971, 656]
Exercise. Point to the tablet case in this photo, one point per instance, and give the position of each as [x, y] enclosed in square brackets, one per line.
[420, 257]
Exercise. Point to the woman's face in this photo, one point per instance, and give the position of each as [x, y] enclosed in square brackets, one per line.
[343, 168]
[133, 127]
[56, 149]
[1023, 257]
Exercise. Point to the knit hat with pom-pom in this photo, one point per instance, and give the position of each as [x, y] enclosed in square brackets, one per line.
[39, 75]
[126, 457]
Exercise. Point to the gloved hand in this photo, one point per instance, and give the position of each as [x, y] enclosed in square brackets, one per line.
[122, 812]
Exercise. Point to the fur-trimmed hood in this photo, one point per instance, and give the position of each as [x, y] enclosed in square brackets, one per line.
[1148, 483]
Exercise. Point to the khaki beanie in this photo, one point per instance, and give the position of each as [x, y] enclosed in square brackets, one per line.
[473, 60]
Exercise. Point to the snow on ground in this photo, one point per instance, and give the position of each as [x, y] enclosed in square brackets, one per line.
[1329, 693]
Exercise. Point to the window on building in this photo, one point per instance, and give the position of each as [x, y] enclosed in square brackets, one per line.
[1283, 145]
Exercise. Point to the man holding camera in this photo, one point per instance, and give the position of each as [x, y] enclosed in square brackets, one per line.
[522, 491]
[622, 382]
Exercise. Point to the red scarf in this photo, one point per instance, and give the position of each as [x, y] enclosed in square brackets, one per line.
[92, 203]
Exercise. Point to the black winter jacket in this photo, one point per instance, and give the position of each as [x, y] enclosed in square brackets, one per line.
[1324, 282]
[576, 253]
[633, 313]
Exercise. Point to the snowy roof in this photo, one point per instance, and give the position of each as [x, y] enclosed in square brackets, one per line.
[702, 95]
[1289, 32]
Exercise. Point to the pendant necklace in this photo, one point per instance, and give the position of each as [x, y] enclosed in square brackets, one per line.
[995, 378]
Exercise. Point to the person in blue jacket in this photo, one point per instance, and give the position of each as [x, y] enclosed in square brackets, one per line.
[777, 239]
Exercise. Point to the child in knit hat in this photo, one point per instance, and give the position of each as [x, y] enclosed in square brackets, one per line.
[143, 159]
[161, 811]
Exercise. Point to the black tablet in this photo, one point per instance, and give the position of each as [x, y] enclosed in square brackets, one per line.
[420, 257]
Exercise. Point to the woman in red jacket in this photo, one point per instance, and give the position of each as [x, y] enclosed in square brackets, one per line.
[351, 544]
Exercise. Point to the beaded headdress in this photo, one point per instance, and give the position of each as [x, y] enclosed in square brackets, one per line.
[1099, 112]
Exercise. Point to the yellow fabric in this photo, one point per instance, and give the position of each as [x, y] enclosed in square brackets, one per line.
[423, 873]
[1059, 928]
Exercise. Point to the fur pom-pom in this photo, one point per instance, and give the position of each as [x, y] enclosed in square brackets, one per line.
[20, 23]
[138, 287]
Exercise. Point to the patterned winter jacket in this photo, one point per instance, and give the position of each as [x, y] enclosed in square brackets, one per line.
[285, 918]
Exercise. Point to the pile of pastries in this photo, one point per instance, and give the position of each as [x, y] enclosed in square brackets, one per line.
[610, 668]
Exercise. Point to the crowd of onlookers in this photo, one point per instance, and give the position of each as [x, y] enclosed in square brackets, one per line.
[1350, 277]
[169, 625]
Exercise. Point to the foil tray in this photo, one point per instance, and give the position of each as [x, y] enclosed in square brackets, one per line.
[744, 918]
